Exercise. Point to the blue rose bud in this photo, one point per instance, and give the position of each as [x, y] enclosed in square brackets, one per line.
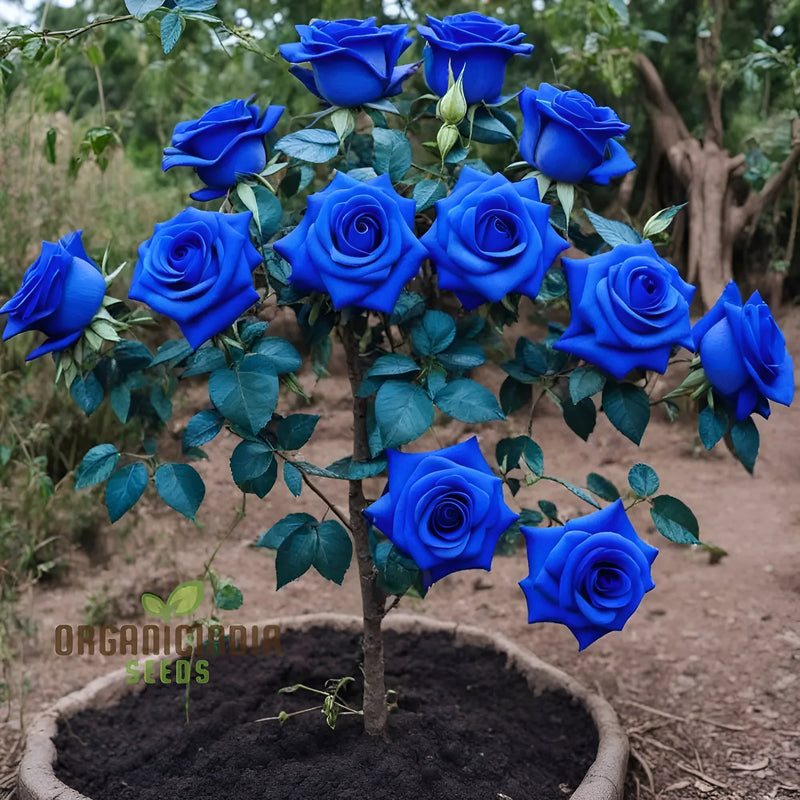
[227, 141]
[479, 46]
[569, 138]
[491, 237]
[444, 509]
[629, 308]
[356, 242]
[589, 575]
[60, 294]
[352, 61]
[743, 353]
[196, 269]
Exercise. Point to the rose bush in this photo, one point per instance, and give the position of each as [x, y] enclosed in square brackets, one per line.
[444, 509]
[589, 575]
[491, 237]
[196, 268]
[481, 46]
[227, 141]
[569, 138]
[60, 294]
[356, 242]
[352, 61]
[629, 308]
[743, 353]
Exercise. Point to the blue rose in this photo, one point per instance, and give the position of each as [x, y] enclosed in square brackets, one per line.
[444, 509]
[629, 308]
[196, 269]
[589, 575]
[356, 242]
[227, 141]
[352, 61]
[491, 237]
[60, 293]
[743, 353]
[479, 45]
[569, 138]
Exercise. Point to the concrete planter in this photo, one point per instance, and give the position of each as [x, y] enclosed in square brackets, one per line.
[603, 781]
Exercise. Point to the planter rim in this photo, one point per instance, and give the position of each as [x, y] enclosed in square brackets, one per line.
[603, 781]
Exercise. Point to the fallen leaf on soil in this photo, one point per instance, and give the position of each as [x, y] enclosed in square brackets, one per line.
[754, 767]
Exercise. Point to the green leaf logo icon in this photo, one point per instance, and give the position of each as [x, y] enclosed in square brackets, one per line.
[184, 600]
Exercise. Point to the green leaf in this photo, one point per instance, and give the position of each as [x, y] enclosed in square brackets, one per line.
[261, 485]
[275, 536]
[392, 153]
[393, 364]
[409, 306]
[264, 206]
[141, 8]
[643, 479]
[171, 29]
[181, 488]
[175, 351]
[293, 478]
[627, 408]
[508, 452]
[660, 221]
[576, 490]
[206, 359]
[160, 402]
[124, 488]
[621, 10]
[87, 392]
[246, 395]
[196, 5]
[283, 355]
[403, 412]
[514, 395]
[427, 192]
[202, 428]
[120, 399]
[433, 333]
[745, 441]
[493, 127]
[613, 232]
[228, 597]
[348, 469]
[96, 465]
[295, 430]
[712, 425]
[153, 605]
[674, 520]
[534, 458]
[185, 598]
[334, 551]
[585, 382]
[50, 145]
[397, 573]
[462, 355]
[580, 417]
[314, 145]
[549, 510]
[602, 487]
[468, 401]
[250, 460]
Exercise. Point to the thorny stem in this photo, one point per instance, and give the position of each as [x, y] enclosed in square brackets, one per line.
[373, 598]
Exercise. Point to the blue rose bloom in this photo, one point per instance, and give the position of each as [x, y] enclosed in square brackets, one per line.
[569, 138]
[480, 46]
[196, 269]
[60, 294]
[356, 242]
[444, 509]
[743, 353]
[227, 141]
[352, 61]
[491, 237]
[629, 308]
[589, 575]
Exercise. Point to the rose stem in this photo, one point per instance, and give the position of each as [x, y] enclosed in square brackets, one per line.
[373, 598]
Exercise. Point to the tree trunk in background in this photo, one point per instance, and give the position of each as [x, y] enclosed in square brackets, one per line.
[705, 168]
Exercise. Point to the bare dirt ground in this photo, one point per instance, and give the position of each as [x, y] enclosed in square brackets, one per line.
[706, 676]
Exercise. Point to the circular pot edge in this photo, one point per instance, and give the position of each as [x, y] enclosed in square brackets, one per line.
[603, 781]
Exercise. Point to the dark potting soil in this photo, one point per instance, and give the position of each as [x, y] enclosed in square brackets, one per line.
[465, 728]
